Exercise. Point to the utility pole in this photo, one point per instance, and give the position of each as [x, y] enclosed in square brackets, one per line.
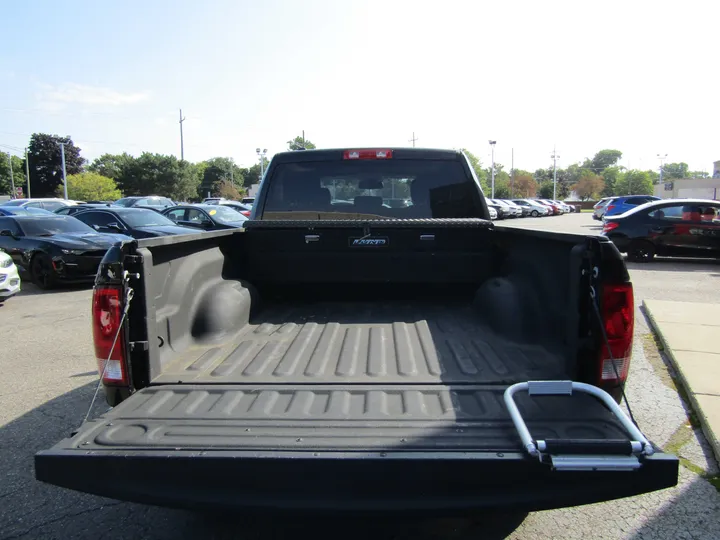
[492, 170]
[512, 172]
[62, 158]
[554, 158]
[262, 158]
[661, 158]
[182, 146]
[413, 139]
[12, 180]
[27, 171]
[302, 143]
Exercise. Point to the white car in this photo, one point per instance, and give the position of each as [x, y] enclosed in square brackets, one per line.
[493, 212]
[9, 277]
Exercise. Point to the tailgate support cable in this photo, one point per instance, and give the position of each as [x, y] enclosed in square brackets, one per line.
[129, 293]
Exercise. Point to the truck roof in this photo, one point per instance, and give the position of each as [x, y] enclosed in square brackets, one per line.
[336, 154]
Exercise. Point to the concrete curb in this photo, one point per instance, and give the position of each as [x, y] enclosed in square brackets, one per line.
[705, 423]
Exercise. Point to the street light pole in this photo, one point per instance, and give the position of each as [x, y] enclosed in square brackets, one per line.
[554, 158]
[62, 158]
[262, 158]
[492, 170]
[27, 171]
[12, 180]
[661, 158]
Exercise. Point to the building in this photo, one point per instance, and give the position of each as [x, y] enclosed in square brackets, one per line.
[716, 169]
[689, 188]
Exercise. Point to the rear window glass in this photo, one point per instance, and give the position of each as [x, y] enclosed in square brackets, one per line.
[392, 189]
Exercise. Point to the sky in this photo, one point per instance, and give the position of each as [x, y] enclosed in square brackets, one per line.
[640, 77]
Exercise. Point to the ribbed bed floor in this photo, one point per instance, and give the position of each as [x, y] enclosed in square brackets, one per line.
[341, 342]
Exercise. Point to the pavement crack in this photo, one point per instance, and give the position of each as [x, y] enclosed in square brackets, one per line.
[58, 518]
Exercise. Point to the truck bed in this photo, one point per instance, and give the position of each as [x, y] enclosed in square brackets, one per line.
[416, 342]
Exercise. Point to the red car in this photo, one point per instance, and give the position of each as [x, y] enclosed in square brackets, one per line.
[556, 211]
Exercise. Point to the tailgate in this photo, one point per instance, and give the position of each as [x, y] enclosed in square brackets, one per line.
[352, 447]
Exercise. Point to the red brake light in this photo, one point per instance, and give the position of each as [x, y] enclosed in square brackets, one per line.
[367, 154]
[245, 213]
[618, 315]
[107, 313]
[610, 207]
[610, 225]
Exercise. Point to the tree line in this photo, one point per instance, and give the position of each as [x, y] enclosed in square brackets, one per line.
[599, 176]
[111, 176]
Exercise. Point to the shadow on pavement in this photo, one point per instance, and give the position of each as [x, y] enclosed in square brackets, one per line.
[29, 289]
[31, 509]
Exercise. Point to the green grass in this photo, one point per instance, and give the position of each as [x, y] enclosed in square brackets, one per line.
[586, 210]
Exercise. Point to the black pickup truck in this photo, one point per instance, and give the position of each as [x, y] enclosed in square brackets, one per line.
[369, 342]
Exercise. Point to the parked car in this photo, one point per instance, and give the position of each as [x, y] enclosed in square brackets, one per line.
[566, 208]
[672, 227]
[45, 204]
[556, 210]
[375, 366]
[620, 205]
[535, 209]
[248, 200]
[524, 211]
[9, 277]
[599, 208]
[54, 249]
[500, 209]
[209, 217]
[508, 210]
[152, 201]
[135, 222]
[25, 211]
[493, 213]
[244, 209]
[72, 210]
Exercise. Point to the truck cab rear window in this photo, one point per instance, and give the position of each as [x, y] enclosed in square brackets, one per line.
[397, 189]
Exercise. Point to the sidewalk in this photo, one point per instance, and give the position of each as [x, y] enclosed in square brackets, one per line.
[690, 333]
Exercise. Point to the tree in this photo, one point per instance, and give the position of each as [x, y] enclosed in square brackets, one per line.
[217, 170]
[299, 143]
[675, 170]
[91, 186]
[476, 165]
[502, 185]
[610, 177]
[227, 190]
[546, 190]
[698, 174]
[158, 174]
[524, 186]
[602, 160]
[46, 163]
[634, 182]
[18, 168]
[111, 165]
[543, 175]
[252, 174]
[590, 185]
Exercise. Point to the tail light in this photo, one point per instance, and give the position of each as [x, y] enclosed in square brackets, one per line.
[609, 208]
[367, 154]
[610, 225]
[107, 312]
[618, 316]
[245, 213]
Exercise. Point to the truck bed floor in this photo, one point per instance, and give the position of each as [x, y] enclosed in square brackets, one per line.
[365, 342]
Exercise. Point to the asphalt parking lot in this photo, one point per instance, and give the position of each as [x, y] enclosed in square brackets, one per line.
[48, 376]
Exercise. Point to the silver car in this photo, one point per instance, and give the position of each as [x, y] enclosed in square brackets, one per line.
[600, 207]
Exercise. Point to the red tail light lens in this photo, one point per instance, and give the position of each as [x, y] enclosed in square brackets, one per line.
[618, 315]
[245, 213]
[610, 225]
[107, 312]
[367, 154]
[609, 208]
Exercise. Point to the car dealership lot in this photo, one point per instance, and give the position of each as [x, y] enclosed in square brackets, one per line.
[48, 379]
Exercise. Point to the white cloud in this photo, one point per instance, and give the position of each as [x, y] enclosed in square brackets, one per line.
[87, 95]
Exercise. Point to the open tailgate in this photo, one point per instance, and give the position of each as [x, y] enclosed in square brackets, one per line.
[334, 447]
